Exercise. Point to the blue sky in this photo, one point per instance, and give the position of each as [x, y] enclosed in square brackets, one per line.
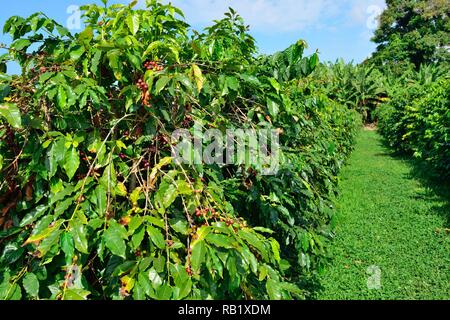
[337, 28]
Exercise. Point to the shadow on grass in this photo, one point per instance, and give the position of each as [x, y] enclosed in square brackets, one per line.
[437, 186]
[382, 154]
[312, 285]
[436, 192]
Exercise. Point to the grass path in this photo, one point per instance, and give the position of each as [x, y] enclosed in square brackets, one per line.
[394, 221]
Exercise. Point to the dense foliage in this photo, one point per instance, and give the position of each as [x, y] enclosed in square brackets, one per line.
[359, 87]
[416, 119]
[413, 33]
[413, 57]
[92, 205]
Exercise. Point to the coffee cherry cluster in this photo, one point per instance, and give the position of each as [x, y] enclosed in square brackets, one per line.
[83, 156]
[229, 222]
[81, 176]
[206, 212]
[145, 163]
[44, 69]
[163, 139]
[146, 97]
[187, 122]
[125, 220]
[142, 85]
[153, 65]
[123, 291]
[152, 149]
[170, 243]
[138, 132]
[211, 213]
[10, 139]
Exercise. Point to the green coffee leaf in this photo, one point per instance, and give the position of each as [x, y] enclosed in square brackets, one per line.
[273, 107]
[12, 115]
[76, 294]
[10, 291]
[44, 233]
[198, 255]
[55, 155]
[157, 237]
[79, 235]
[35, 214]
[161, 84]
[114, 238]
[137, 237]
[101, 200]
[31, 284]
[71, 162]
[219, 240]
[155, 278]
[67, 246]
[133, 23]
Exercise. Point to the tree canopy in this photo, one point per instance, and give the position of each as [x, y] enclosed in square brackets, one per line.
[413, 32]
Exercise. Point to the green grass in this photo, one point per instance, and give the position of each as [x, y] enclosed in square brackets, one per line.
[391, 217]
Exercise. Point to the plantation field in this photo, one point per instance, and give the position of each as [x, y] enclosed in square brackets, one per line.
[144, 159]
[391, 218]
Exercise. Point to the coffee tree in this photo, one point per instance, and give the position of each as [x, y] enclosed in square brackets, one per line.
[93, 204]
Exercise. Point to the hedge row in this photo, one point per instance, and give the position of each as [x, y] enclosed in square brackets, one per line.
[417, 121]
[93, 206]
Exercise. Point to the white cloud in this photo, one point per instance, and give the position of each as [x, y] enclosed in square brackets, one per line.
[264, 15]
[363, 12]
[279, 16]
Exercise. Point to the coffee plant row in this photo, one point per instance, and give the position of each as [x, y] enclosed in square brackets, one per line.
[359, 87]
[416, 119]
[92, 204]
